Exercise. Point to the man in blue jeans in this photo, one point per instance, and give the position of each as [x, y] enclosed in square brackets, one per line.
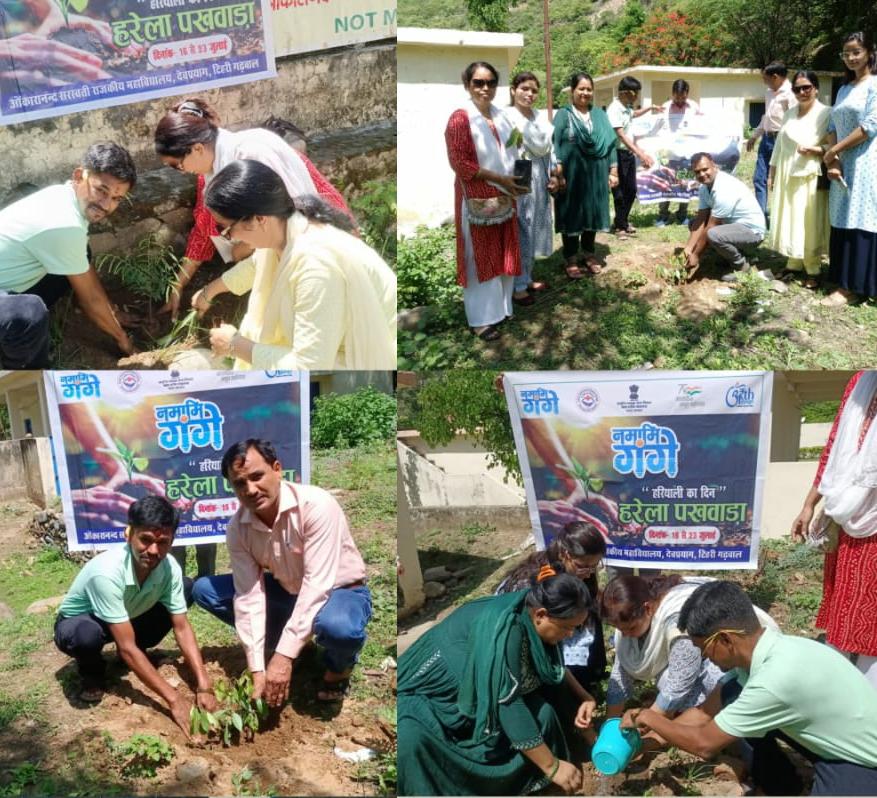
[793, 688]
[296, 574]
[778, 99]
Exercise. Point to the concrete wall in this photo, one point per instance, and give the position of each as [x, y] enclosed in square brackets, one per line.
[345, 101]
[26, 470]
[430, 89]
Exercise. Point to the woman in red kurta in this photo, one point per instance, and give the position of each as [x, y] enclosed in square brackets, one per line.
[847, 479]
[488, 256]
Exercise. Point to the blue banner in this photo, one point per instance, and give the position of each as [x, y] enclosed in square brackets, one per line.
[669, 466]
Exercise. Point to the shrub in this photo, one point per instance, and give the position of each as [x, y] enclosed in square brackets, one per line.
[351, 419]
[376, 210]
[427, 269]
[142, 755]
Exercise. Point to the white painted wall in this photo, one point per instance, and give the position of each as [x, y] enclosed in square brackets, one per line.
[429, 65]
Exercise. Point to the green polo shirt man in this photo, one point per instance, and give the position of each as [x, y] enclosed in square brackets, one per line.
[133, 595]
[788, 687]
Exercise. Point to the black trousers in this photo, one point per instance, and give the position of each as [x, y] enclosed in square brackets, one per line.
[84, 636]
[571, 243]
[624, 194]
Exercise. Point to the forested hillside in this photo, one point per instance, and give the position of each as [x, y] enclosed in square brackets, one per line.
[601, 36]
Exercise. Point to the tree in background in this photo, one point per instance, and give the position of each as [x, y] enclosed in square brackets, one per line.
[490, 15]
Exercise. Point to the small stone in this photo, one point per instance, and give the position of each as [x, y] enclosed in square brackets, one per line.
[799, 336]
[434, 589]
[6, 612]
[44, 605]
[173, 681]
[128, 701]
[779, 287]
[193, 769]
[438, 573]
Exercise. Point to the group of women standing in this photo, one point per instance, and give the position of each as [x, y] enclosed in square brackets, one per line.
[814, 214]
[319, 297]
[503, 225]
[489, 700]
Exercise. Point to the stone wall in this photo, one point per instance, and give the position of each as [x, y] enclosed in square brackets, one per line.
[344, 100]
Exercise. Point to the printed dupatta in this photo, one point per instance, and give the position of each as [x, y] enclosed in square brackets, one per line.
[599, 142]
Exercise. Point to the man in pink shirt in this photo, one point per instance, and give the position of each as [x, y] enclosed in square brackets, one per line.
[296, 574]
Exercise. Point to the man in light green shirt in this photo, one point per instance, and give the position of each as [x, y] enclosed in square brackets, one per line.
[133, 595]
[44, 254]
[797, 689]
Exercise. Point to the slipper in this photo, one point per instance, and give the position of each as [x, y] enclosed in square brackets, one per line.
[573, 271]
[538, 285]
[526, 301]
[330, 692]
[487, 334]
[593, 265]
[92, 694]
[631, 230]
[811, 283]
[622, 235]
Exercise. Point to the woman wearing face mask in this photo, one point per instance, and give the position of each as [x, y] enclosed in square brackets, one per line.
[534, 209]
[852, 155]
[798, 209]
[579, 548]
[649, 645]
[483, 160]
[189, 138]
[320, 298]
[472, 717]
[584, 145]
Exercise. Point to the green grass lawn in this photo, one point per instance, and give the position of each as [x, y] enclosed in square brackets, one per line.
[638, 313]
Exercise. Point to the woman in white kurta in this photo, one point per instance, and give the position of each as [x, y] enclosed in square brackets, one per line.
[535, 227]
[799, 224]
[320, 298]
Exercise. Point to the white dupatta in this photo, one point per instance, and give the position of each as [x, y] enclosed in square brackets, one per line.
[537, 136]
[648, 660]
[492, 154]
[849, 482]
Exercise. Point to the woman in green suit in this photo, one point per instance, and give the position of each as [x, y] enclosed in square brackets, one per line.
[584, 144]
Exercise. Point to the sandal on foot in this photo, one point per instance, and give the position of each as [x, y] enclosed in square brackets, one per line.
[538, 285]
[811, 283]
[489, 333]
[573, 271]
[330, 692]
[93, 694]
[593, 265]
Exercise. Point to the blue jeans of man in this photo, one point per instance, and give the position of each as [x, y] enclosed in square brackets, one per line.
[762, 168]
[339, 626]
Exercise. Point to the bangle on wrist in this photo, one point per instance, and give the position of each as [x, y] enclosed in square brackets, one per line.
[554, 769]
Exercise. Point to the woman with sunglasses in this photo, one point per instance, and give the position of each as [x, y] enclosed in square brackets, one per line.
[478, 138]
[580, 549]
[851, 159]
[188, 138]
[798, 209]
[472, 716]
[649, 645]
[320, 298]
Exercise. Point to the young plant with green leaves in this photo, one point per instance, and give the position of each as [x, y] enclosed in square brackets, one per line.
[149, 269]
[142, 755]
[239, 714]
[65, 5]
[127, 457]
[245, 782]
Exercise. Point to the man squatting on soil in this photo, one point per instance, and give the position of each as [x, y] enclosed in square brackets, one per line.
[776, 687]
[296, 573]
[133, 595]
[44, 253]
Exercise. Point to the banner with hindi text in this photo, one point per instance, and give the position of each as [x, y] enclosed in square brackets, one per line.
[668, 466]
[60, 56]
[120, 435]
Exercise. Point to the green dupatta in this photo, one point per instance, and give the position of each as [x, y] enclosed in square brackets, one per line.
[596, 144]
[486, 680]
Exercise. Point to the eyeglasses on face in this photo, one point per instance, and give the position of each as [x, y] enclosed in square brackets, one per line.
[714, 636]
[805, 87]
[480, 83]
[226, 232]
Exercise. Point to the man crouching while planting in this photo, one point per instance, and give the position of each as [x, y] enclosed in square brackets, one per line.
[296, 574]
[778, 687]
[133, 595]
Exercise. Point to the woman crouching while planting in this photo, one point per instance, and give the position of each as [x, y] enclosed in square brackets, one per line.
[649, 645]
[472, 716]
[320, 298]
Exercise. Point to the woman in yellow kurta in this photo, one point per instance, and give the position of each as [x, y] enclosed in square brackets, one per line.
[319, 297]
[799, 226]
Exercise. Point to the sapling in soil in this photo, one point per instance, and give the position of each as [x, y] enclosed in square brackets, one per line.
[239, 714]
